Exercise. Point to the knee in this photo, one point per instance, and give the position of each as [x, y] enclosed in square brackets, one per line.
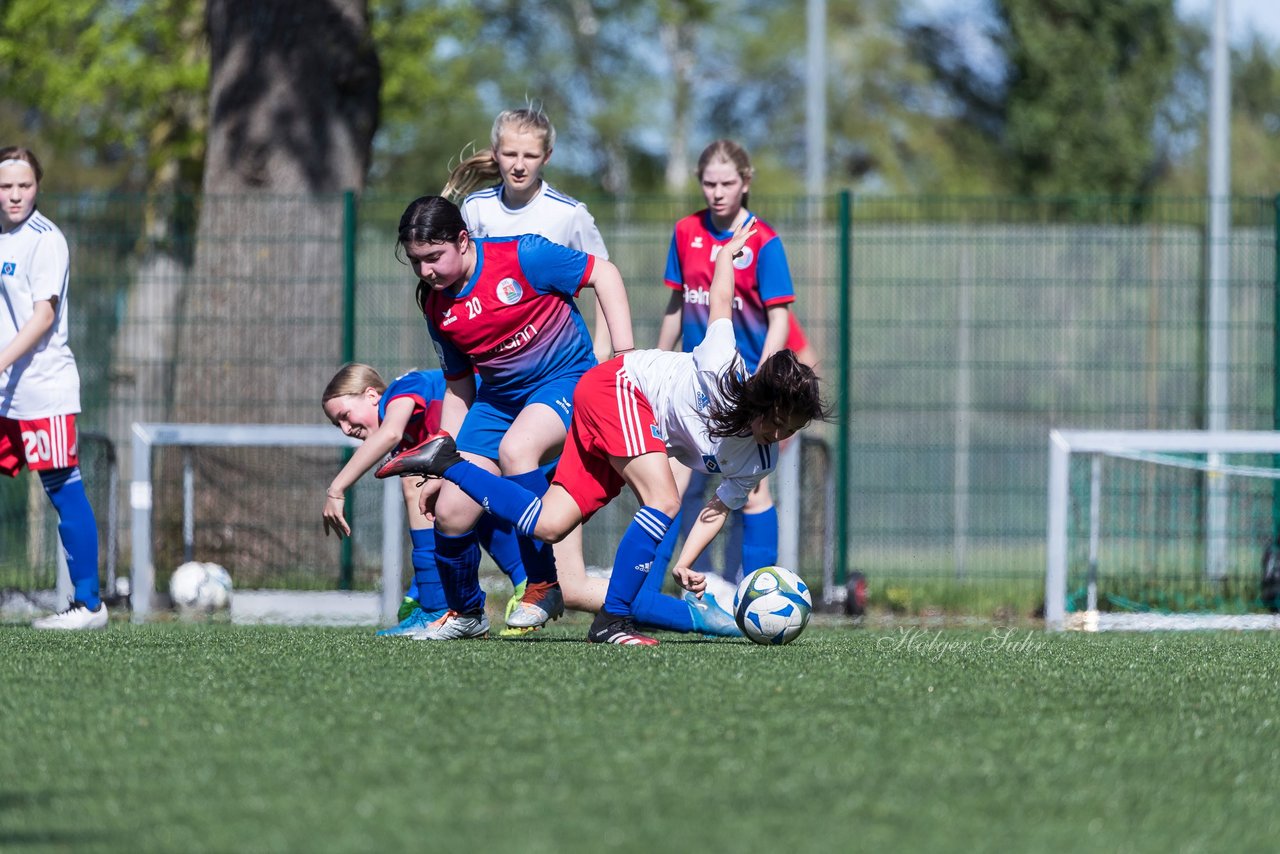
[667, 505]
[559, 517]
[512, 460]
[454, 516]
[551, 531]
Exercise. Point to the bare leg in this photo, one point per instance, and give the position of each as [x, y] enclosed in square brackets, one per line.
[581, 591]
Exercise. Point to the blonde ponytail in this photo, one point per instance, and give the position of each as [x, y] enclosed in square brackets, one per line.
[472, 173]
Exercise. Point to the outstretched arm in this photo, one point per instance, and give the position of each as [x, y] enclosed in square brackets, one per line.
[775, 337]
[374, 448]
[720, 296]
[705, 528]
[612, 296]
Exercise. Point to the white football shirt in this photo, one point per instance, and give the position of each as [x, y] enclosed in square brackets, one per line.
[680, 388]
[34, 266]
[559, 218]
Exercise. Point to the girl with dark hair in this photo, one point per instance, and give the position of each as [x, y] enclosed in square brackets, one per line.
[702, 408]
[502, 308]
[504, 193]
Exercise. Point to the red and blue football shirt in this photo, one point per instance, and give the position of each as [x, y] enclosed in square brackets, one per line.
[426, 390]
[514, 320]
[761, 279]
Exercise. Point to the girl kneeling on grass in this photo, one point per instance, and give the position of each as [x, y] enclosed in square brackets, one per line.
[631, 412]
[390, 418]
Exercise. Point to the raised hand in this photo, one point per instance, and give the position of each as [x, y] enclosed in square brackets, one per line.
[739, 239]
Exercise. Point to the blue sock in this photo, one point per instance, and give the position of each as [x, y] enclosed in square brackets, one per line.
[654, 578]
[539, 561]
[459, 561]
[507, 498]
[501, 541]
[667, 548]
[759, 540]
[78, 530]
[426, 589]
[634, 559]
[661, 611]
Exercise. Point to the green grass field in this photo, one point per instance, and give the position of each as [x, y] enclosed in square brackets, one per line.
[190, 738]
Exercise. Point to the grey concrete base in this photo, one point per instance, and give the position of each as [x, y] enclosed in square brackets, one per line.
[311, 608]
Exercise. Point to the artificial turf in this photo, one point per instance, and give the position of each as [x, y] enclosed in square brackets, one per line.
[225, 738]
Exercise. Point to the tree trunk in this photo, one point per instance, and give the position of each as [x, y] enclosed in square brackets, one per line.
[292, 111]
[677, 40]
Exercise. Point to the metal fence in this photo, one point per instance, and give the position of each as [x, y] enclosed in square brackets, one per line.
[954, 333]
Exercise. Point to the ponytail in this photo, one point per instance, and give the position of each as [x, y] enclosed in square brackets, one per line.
[472, 173]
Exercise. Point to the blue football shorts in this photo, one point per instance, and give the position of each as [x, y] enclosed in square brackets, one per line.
[490, 417]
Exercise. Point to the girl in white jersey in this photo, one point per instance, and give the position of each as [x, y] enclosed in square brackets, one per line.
[629, 414]
[39, 383]
[522, 202]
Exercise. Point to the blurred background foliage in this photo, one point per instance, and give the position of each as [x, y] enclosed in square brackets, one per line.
[1015, 97]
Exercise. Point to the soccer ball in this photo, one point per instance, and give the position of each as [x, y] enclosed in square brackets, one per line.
[772, 606]
[200, 588]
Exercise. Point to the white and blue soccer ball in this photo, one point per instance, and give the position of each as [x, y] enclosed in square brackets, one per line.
[772, 606]
[200, 588]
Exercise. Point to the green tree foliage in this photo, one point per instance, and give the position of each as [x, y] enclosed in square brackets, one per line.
[889, 132]
[1026, 96]
[891, 129]
[1255, 127]
[1071, 100]
[434, 68]
[110, 83]
[591, 65]
[1255, 119]
[117, 92]
[1086, 80]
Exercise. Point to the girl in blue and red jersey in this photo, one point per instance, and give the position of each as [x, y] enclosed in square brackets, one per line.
[503, 194]
[763, 293]
[503, 308]
[388, 419]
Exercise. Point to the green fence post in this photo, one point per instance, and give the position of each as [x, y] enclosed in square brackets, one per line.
[844, 402]
[346, 572]
[1275, 364]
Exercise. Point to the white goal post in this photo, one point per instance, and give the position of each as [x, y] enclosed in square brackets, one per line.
[149, 436]
[1064, 443]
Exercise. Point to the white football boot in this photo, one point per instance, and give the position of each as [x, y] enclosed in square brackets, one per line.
[75, 617]
[454, 626]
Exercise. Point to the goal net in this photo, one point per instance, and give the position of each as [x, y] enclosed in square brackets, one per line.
[289, 574]
[1161, 529]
